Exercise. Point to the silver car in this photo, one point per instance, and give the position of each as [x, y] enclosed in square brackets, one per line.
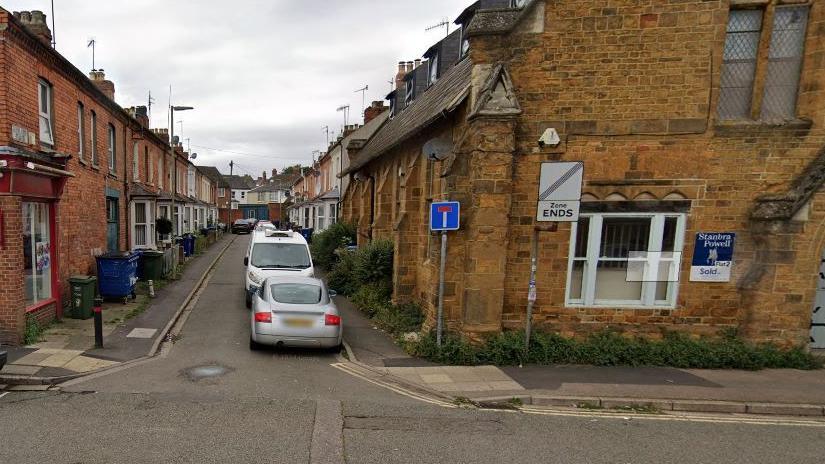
[295, 311]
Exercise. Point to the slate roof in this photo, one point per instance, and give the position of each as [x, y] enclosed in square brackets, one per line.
[139, 190]
[279, 184]
[239, 182]
[497, 20]
[449, 92]
[212, 173]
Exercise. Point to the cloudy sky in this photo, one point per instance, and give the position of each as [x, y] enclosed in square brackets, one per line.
[264, 75]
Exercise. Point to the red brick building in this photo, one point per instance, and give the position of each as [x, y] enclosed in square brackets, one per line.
[79, 175]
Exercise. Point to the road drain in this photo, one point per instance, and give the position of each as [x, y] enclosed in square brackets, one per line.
[209, 371]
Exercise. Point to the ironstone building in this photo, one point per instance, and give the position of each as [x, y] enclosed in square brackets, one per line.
[691, 117]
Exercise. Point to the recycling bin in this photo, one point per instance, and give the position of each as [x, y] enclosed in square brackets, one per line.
[307, 233]
[152, 264]
[83, 296]
[117, 274]
[188, 245]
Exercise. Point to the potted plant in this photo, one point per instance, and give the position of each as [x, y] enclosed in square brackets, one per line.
[164, 228]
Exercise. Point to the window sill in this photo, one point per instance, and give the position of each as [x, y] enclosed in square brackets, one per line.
[38, 306]
[95, 167]
[749, 126]
[82, 161]
[618, 306]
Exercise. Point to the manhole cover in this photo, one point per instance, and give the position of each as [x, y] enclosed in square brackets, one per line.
[209, 371]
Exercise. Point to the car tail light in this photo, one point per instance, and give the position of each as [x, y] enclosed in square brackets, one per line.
[331, 319]
[263, 317]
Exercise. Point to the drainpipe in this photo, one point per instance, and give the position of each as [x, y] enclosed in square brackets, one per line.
[372, 203]
[126, 190]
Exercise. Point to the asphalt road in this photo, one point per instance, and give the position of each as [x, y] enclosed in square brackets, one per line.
[294, 407]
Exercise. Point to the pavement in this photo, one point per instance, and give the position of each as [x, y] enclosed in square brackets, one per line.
[205, 397]
[782, 391]
[67, 349]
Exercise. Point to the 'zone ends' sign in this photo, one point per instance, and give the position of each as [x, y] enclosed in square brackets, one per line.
[560, 192]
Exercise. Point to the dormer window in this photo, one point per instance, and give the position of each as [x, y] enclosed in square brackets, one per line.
[433, 77]
[392, 105]
[517, 3]
[410, 96]
[465, 45]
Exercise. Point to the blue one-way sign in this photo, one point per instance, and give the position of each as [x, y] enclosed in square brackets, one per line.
[445, 216]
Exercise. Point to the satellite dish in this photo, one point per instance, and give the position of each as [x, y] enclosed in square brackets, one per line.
[193, 156]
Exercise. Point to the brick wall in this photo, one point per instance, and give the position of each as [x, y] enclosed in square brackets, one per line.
[632, 87]
[12, 319]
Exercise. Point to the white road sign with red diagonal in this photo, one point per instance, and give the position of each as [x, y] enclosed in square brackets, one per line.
[560, 191]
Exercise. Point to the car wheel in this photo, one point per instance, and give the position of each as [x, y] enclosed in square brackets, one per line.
[336, 349]
[248, 303]
[255, 346]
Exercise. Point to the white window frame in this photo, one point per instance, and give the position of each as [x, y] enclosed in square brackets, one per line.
[149, 225]
[432, 74]
[112, 137]
[150, 174]
[81, 132]
[161, 160]
[648, 299]
[409, 91]
[221, 192]
[45, 109]
[95, 159]
[136, 162]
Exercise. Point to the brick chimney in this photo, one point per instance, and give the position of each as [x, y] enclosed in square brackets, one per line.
[162, 133]
[35, 22]
[399, 77]
[98, 78]
[274, 172]
[141, 114]
[374, 110]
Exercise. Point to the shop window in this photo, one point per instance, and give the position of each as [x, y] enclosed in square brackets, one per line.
[37, 250]
[625, 260]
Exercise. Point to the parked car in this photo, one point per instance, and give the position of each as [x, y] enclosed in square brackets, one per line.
[242, 226]
[273, 253]
[260, 225]
[295, 312]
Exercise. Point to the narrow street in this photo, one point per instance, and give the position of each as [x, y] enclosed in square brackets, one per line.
[294, 406]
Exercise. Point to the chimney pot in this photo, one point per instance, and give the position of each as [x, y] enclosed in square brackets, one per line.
[98, 78]
[35, 23]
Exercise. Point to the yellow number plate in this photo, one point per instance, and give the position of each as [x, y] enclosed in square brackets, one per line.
[299, 323]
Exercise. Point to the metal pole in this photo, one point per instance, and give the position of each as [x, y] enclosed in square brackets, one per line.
[174, 173]
[440, 322]
[531, 294]
[98, 313]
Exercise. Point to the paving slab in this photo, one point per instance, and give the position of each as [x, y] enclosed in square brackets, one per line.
[15, 369]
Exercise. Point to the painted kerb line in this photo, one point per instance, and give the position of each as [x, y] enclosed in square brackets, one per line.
[556, 185]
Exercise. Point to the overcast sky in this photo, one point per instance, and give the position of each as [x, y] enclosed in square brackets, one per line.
[264, 75]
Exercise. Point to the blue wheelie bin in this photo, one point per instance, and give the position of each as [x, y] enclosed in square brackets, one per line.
[189, 245]
[117, 274]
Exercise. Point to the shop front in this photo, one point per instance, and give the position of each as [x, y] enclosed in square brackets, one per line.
[29, 275]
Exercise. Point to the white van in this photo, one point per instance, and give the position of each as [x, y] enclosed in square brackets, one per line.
[274, 253]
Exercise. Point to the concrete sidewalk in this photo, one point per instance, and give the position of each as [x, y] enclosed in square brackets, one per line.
[67, 350]
[789, 392]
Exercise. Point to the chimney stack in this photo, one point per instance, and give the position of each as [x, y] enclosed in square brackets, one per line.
[98, 77]
[141, 113]
[35, 22]
[162, 133]
[374, 110]
[274, 172]
[417, 63]
[399, 77]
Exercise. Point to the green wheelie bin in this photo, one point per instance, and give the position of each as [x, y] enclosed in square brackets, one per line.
[83, 289]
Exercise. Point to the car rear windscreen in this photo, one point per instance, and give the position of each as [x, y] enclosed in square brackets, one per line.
[296, 293]
[280, 256]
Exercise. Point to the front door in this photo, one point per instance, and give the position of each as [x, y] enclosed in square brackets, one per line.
[112, 216]
[818, 319]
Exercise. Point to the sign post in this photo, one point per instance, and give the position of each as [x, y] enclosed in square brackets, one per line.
[559, 200]
[444, 217]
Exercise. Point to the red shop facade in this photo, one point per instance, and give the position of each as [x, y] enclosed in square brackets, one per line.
[31, 185]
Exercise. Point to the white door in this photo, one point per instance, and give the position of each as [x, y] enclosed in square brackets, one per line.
[818, 320]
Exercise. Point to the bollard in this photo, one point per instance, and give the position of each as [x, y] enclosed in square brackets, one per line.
[98, 311]
[151, 289]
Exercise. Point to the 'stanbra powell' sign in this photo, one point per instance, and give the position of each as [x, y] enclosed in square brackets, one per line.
[712, 257]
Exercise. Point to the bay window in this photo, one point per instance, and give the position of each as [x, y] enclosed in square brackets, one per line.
[37, 253]
[143, 229]
[625, 260]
